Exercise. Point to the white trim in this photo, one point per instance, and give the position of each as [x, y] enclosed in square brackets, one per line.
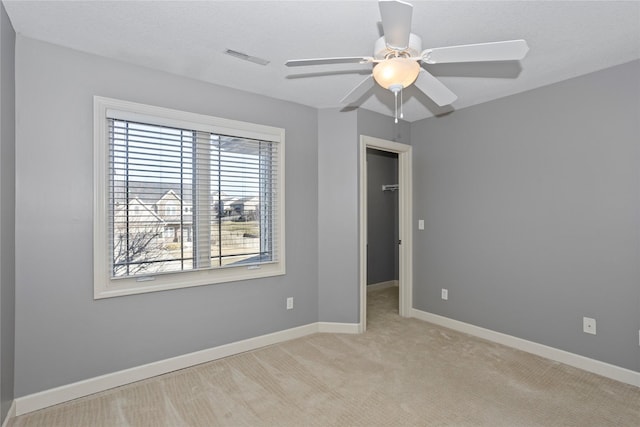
[10, 414]
[57, 395]
[104, 286]
[127, 110]
[383, 285]
[405, 215]
[405, 202]
[338, 328]
[363, 244]
[581, 362]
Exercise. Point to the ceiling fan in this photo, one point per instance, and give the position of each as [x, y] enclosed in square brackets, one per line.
[398, 54]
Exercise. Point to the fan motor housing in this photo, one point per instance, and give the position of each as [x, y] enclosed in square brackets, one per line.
[381, 51]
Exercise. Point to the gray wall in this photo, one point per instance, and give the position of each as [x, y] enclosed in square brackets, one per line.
[382, 217]
[7, 212]
[532, 215]
[383, 127]
[62, 334]
[338, 215]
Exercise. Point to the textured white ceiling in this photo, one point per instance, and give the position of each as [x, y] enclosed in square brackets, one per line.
[566, 39]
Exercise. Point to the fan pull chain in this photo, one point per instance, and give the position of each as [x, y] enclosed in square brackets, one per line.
[395, 94]
[401, 102]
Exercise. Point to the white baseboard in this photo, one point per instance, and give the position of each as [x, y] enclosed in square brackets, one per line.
[382, 285]
[43, 399]
[591, 365]
[338, 328]
[10, 414]
[54, 396]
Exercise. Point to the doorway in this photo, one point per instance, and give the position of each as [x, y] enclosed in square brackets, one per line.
[382, 219]
[404, 215]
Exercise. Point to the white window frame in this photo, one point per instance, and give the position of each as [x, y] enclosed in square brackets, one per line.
[104, 285]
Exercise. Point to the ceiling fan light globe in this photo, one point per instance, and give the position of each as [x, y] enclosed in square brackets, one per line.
[396, 71]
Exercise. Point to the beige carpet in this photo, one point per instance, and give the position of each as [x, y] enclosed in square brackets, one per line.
[402, 372]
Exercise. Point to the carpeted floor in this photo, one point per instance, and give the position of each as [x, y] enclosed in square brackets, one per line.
[401, 372]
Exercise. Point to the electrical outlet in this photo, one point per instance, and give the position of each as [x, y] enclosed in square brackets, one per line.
[290, 303]
[445, 294]
[589, 325]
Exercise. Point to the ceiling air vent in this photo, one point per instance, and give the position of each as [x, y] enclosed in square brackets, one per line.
[246, 57]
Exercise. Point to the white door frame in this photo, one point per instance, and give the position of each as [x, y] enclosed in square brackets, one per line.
[405, 208]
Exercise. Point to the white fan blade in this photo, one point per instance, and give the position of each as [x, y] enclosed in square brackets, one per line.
[434, 89]
[323, 61]
[510, 50]
[396, 23]
[358, 91]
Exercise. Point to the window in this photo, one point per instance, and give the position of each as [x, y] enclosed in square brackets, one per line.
[183, 199]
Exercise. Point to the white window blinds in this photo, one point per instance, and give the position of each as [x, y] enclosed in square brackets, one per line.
[182, 199]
